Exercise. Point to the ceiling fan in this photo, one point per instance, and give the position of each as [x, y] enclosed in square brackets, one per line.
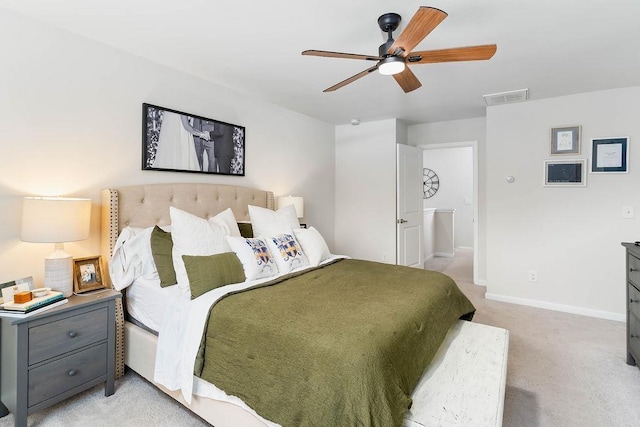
[394, 56]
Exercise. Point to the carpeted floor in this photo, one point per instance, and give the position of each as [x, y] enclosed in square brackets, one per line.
[564, 370]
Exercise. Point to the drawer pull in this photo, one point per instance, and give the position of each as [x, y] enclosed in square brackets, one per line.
[632, 301]
[73, 334]
[71, 372]
[631, 269]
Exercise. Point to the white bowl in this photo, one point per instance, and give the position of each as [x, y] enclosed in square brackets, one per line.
[40, 292]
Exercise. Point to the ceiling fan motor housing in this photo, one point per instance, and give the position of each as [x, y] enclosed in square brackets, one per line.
[388, 23]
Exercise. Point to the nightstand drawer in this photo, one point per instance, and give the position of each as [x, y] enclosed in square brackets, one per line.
[634, 269]
[54, 378]
[62, 336]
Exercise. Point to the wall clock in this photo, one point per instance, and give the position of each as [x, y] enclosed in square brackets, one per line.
[431, 183]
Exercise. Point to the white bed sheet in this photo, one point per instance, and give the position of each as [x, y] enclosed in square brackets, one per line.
[147, 301]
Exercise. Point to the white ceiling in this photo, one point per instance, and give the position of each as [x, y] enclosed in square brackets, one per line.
[552, 47]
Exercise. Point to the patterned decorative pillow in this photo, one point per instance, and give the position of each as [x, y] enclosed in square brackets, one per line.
[287, 252]
[255, 256]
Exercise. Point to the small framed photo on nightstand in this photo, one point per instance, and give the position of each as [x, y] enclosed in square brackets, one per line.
[565, 140]
[87, 274]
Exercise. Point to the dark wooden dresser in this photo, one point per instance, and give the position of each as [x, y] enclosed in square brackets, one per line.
[633, 303]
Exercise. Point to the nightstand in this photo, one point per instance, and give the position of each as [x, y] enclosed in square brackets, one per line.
[49, 357]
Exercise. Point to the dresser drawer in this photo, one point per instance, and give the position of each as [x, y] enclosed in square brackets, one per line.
[634, 269]
[62, 336]
[634, 300]
[54, 378]
[634, 336]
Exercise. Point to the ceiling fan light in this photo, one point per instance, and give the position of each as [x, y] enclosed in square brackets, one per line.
[391, 65]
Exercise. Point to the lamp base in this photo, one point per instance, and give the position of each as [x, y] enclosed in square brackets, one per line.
[58, 272]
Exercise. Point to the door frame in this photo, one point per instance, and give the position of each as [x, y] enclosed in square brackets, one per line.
[474, 145]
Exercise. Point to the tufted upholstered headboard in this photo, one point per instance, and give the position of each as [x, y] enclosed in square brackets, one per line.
[148, 205]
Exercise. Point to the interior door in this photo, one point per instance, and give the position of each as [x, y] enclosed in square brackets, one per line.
[409, 206]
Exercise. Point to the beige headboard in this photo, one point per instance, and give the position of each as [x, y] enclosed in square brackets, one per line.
[148, 205]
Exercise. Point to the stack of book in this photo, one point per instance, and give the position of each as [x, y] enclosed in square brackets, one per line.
[36, 305]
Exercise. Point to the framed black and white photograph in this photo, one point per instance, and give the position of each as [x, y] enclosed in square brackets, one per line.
[565, 173]
[183, 142]
[565, 140]
[610, 155]
[87, 274]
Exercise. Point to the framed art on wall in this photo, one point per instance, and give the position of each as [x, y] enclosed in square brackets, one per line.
[610, 155]
[565, 140]
[565, 173]
[182, 142]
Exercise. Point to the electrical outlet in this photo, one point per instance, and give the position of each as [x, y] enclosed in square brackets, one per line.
[533, 276]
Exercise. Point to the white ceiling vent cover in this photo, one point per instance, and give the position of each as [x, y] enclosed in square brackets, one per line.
[506, 97]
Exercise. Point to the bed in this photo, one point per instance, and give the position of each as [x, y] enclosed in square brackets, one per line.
[463, 385]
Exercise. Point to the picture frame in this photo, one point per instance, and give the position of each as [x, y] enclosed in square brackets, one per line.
[182, 142]
[565, 140]
[565, 173]
[87, 274]
[610, 155]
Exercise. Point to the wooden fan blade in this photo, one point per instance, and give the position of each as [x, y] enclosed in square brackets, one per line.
[469, 53]
[407, 80]
[421, 24]
[326, 53]
[351, 79]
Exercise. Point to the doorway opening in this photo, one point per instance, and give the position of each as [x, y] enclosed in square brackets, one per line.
[466, 219]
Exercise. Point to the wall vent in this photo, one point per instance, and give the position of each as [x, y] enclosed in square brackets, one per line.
[506, 97]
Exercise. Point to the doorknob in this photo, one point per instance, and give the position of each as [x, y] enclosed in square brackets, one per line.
[402, 221]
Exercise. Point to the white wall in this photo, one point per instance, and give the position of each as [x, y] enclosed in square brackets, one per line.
[454, 167]
[570, 236]
[70, 124]
[462, 131]
[366, 190]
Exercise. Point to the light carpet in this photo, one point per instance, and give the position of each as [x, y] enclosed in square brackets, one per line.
[564, 370]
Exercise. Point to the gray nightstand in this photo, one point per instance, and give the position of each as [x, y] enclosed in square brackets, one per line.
[49, 357]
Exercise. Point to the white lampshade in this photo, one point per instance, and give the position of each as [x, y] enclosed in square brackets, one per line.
[297, 202]
[56, 220]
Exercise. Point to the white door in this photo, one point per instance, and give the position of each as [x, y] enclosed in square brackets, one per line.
[409, 216]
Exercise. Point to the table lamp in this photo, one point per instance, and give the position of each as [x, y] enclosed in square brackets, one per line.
[297, 202]
[56, 220]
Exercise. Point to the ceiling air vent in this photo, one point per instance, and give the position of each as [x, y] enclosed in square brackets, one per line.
[506, 97]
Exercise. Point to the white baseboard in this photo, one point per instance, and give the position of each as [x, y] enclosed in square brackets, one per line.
[445, 254]
[481, 282]
[427, 258]
[618, 317]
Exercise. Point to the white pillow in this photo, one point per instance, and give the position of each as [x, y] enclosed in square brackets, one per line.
[266, 222]
[256, 259]
[131, 257]
[313, 245]
[287, 252]
[193, 235]
[228, 221]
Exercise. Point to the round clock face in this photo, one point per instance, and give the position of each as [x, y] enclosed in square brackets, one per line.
[431, 182]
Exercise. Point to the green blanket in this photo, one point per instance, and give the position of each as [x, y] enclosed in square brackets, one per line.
[341, 345]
